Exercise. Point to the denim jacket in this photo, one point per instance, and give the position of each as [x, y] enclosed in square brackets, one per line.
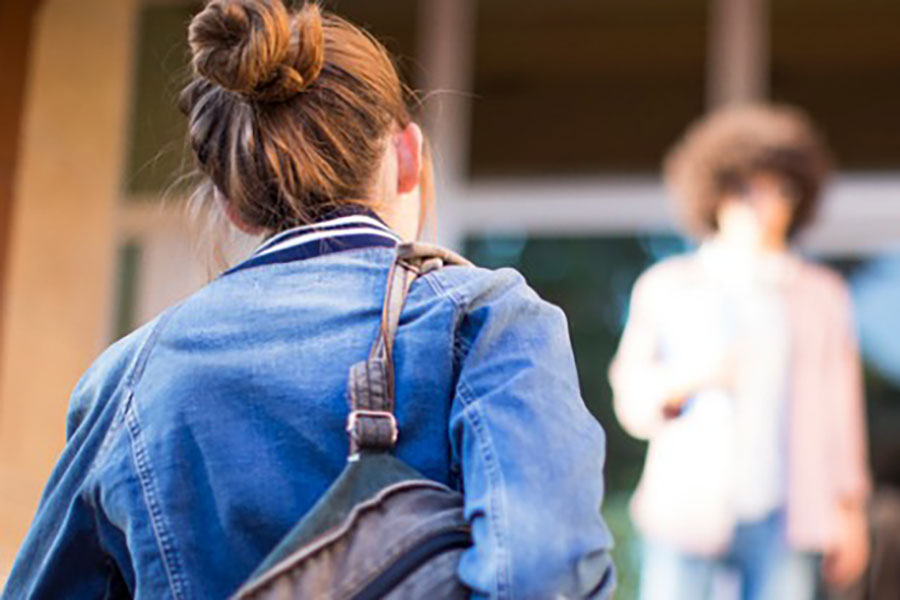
[195, 443]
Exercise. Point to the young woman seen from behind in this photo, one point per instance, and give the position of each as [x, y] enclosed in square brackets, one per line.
[198, 441]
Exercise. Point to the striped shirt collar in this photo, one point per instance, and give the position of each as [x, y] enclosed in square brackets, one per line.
[348, 228]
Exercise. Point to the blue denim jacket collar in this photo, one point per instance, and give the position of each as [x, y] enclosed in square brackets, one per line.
[349, 227]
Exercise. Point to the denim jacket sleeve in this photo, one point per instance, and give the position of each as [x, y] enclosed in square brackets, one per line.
[65, 553]
[531, 454]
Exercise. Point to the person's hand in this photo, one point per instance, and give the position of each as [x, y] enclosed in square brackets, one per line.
[673, 407]
[846, 560]
[687, 378]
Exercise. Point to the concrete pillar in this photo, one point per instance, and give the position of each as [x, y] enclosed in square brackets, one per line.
[62, 243]
[447, 34]
[738, 54]
[15, 39]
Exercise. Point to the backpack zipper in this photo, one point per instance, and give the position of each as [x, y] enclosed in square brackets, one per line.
[414, 558]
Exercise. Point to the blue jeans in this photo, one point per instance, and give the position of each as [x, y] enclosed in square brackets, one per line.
[767, 567]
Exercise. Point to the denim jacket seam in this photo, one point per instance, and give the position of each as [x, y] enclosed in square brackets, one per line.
[109, 438]
[168, 552]
[472, 413]
[434, 282]
[143, 357]
[119, 416]
[458, 346]
[165, 543]
[131, 379]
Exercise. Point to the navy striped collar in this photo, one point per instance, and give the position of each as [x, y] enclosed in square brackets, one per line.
[341, 232]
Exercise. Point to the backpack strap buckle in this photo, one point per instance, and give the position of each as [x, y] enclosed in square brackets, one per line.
[356, 424]
[371, 422]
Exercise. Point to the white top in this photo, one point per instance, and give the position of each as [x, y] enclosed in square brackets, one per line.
[750, 291]
[678, 325]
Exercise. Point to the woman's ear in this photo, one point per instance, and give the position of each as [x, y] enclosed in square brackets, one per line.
[408, 146]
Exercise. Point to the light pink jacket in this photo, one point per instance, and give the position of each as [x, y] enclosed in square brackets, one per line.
[683, 497]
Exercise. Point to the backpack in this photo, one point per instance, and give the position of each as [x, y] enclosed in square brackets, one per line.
[381, 530]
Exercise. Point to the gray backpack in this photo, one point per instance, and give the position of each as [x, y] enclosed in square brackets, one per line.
[381, 530]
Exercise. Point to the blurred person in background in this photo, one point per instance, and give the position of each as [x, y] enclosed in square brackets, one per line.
[195, 443]
[739, 364]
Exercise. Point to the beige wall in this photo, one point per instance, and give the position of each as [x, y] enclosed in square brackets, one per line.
[15, 39]
[61, 252]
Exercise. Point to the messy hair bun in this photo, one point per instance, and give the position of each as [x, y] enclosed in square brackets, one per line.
[257, 49]
[288, 111]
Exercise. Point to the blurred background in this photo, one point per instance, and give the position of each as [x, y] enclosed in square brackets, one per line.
[549, 121]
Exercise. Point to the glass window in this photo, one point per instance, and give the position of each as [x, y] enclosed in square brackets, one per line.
[581, 86]
[156, 150]
[840, 60]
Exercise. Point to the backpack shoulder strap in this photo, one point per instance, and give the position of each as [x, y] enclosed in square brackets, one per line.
[371, 423]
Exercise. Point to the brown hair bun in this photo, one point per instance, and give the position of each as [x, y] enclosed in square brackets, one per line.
[278, 158]
[256, 48]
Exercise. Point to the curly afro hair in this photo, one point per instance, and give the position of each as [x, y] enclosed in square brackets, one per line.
[719, 152]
